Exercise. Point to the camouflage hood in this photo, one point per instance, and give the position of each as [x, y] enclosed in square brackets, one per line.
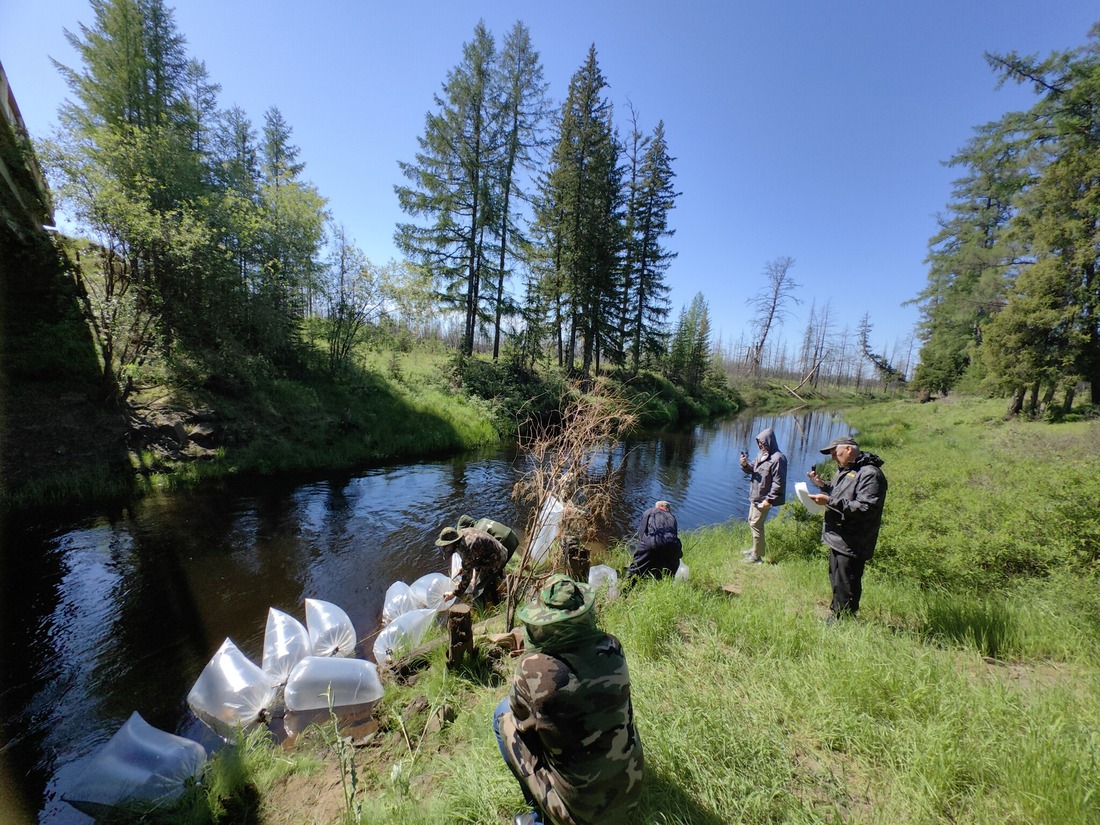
[561, 617]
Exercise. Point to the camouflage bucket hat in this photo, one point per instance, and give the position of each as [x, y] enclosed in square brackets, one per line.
[561, 599]
[448, 535]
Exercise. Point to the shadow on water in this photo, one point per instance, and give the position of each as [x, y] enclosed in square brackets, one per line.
[121, 611]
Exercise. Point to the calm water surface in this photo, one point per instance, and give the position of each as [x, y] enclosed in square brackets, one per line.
[121, 611]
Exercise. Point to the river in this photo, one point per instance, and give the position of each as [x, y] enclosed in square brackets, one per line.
[120, 611]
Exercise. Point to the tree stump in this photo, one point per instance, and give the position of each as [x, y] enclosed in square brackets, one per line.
[577, 559]
[461, 631]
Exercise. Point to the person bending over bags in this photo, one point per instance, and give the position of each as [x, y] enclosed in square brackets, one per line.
[479, 552]
[659, 547]
[566, 728]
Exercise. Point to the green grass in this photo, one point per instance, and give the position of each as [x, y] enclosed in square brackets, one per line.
[965, 694]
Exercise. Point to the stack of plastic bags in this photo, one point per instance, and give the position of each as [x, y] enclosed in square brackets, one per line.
[409, 611]
[310, 662]
[232, 692]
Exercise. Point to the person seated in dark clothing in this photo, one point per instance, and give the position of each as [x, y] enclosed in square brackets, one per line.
[659, 548]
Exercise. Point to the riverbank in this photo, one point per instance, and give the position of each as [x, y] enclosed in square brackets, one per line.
[967, 692]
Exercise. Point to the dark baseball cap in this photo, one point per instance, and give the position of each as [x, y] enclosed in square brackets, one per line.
[840, 441]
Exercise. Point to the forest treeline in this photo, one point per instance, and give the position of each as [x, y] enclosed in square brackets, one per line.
[1012, 304]
[537, 234]
[207, 254]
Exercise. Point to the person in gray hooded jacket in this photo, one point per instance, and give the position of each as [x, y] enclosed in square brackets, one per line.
[767, 488]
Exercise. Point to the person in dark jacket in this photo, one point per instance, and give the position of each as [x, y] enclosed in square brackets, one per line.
[659, 548]
[853, 512]
[767, 489]
[566, 728]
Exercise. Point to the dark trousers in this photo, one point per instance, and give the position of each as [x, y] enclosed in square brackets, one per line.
[846, 577]
[657, 562]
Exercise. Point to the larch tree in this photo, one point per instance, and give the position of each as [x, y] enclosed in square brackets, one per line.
[522, 93]
[450, 182]
[771, 305]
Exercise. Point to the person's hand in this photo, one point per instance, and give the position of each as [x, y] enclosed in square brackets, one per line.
[448, 596]
[764, 505]
[819, 498]
[815, 478]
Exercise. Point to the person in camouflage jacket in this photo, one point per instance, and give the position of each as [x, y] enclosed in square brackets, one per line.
[480, 552]
[566, 728]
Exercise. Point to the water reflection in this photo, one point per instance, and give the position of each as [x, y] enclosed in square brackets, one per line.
[122, 612]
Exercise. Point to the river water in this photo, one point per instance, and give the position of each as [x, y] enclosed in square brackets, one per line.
[120, 611]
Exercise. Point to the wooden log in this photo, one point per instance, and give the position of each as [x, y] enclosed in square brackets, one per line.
[461, 635]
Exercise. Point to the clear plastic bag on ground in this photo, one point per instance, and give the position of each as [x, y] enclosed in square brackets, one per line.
[402, 634]
[429, 589]
[286, 642]
[231, 691]
[682, 572]
[331, 632]
[139, 763]
[601, 575]
[398, 601]
[323, 681]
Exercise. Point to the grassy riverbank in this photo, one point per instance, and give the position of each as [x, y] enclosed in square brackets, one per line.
[967, 692]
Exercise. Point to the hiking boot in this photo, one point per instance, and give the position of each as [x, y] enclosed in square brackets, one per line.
[529, 818]
[754, 560]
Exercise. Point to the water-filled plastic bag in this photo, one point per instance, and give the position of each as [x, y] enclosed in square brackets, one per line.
[398, 601]
[323, 681]
[402, 634]
[139, 763]
[429, 589]
[330, 630]
[231, 691]
[601, 575]
[286, 642]
[546, 531]
[682, 572]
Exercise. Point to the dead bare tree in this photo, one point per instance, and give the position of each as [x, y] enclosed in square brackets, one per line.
[771, 305]
[570, 458]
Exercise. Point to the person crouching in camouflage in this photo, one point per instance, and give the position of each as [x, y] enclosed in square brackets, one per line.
[566, 728]
[480, 552]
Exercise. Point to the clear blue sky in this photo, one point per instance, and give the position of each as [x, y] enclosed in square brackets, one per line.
[802, 128]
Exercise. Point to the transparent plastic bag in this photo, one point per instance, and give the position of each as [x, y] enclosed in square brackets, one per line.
[323, 681]
[330, 630]
[231, 691]
[402, 634]
[428, 590]
[600, 575]
[286, 642]
[138, 763]
[398, 601]
[456, 572]
[682, 572]
[549, 524]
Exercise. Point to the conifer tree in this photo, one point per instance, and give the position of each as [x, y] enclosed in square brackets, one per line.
[450, 182]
